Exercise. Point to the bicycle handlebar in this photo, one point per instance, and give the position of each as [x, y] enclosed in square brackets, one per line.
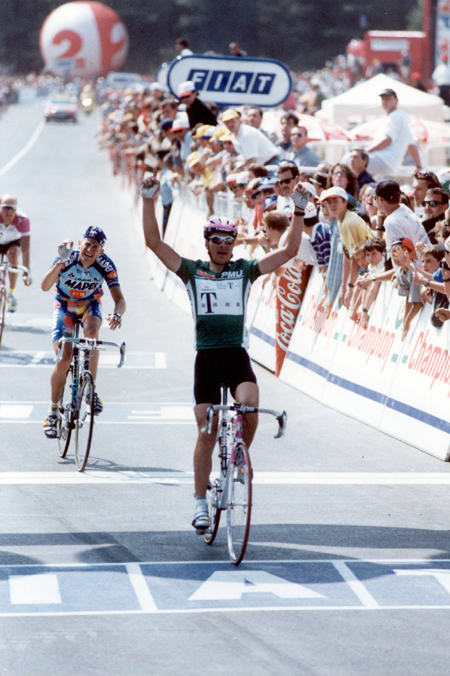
[240, 408]
[91, 344]
[15, 268]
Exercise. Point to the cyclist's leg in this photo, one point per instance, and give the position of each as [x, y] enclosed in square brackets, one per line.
[13, 259]
[247, 393]
[91, 328]
[245, 390]
[206, 392]
[92, 321]
[203, 450]
[63, 325]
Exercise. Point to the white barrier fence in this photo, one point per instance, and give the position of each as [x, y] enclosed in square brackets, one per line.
[400, 388]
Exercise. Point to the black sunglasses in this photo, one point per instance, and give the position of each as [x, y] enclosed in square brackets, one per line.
[432, 203]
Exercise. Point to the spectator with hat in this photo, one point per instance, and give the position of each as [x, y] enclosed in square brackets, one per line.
[352, 230]
[393, 140]
[248, 141]
[197, 111]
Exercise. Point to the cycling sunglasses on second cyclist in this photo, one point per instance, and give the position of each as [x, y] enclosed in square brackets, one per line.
[218, 239]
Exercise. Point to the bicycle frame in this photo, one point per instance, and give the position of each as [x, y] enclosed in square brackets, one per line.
[82, 391]
[6, 267]
[232, 490]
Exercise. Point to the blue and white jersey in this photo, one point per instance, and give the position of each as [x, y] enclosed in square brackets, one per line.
[78, 283]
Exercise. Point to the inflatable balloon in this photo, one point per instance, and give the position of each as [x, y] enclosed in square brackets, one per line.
[85, 39]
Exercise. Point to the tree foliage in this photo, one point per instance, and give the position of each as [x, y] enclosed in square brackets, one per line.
[300, 33]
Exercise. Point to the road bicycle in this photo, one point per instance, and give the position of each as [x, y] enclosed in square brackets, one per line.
[5, 267]
[232, 489]
[76, 406]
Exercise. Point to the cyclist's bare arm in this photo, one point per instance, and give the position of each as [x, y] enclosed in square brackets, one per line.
[281, 256]
[115, 319]
[153, 240]
[51, 277]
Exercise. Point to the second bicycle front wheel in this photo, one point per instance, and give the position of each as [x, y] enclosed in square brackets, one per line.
[84, 421]
[3, 304]
[239, 503]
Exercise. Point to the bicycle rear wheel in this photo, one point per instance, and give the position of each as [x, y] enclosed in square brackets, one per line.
[3, 304]
[212, 498]
[239, 503]
[64, 417]
[84, 421]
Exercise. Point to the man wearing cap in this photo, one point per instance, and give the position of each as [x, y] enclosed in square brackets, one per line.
[14, 238]
[197, 111]
[300, 153]
[248, 141]
[183, 137]
[393, 140]
[352, 230]
[78, 277]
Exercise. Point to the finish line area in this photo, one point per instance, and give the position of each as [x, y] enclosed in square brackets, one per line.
[191, 587]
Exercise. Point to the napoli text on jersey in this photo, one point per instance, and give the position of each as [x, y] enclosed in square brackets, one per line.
[78, 283]
[219, 301]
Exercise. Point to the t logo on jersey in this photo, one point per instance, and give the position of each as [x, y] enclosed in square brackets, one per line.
[206, 297]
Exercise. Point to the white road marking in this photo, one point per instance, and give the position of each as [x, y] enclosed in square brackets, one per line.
[110, 359]
[140, 587]
[357, 587]
[15, 411]
[175, 477]
[227, 585]
[26, 149]
[34, 589]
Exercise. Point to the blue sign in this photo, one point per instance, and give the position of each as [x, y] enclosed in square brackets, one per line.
[232, 81]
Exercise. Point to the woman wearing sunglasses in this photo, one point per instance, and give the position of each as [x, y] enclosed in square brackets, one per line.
[434, 205]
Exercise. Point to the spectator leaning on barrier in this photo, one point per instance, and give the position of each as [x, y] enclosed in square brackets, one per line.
[197, 111]
[444, 313]
[387, 150]
[300, 153]
[248, 141]
[352, 230]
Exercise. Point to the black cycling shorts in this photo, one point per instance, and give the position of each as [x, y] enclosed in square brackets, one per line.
[228, 366]
[4, 247]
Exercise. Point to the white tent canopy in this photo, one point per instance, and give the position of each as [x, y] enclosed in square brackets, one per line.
[363, 100]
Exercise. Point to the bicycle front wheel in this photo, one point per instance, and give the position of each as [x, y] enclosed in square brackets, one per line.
[84, 420]
[64, 418]
[3, 304]
[212, 498]
[239, 503]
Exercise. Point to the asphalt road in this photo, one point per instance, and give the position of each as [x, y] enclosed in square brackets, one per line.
[347, 570]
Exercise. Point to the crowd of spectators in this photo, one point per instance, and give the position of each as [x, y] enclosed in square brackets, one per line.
[361, 231]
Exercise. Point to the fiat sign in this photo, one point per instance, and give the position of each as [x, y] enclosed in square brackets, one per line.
[232, 81]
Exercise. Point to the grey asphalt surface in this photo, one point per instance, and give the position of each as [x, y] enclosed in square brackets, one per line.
[84, 534]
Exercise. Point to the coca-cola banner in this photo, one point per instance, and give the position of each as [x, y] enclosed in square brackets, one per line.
[290, 291]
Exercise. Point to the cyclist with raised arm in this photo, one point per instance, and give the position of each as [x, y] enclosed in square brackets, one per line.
[14, 239]
[218, 290]
[78, 276]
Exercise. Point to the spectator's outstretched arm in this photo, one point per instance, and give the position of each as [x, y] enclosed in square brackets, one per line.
[153, 240]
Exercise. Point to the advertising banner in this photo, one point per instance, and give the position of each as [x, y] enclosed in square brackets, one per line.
[232, 81]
